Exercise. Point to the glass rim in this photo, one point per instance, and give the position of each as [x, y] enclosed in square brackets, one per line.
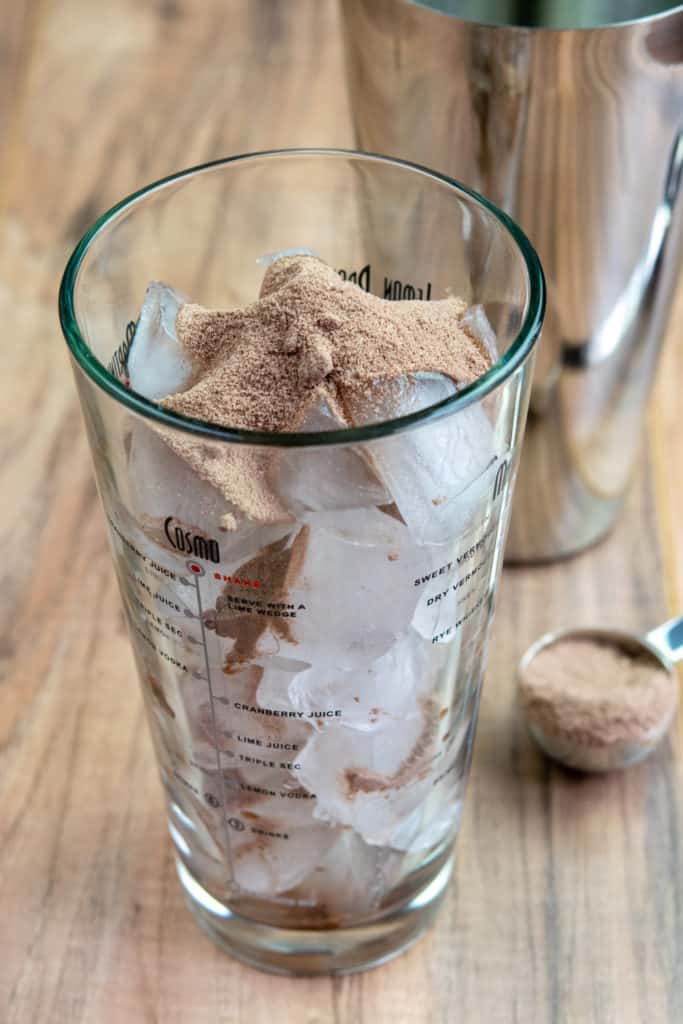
[501, 370]
[599, 26]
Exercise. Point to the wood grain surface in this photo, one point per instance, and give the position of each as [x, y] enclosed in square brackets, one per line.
[567, 903]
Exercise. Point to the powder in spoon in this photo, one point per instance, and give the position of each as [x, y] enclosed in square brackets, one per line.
[597, 703]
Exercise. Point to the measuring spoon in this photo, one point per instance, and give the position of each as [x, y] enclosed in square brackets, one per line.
[591, 749]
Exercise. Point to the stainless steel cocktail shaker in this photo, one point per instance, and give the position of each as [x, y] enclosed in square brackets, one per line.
[570, 117]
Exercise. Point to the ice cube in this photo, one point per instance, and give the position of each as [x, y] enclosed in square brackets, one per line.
[368, 696]
[438, 474]
[157, 363]
[355, 595]
[273, 837]
[450, 600]
[251, 742]
[432, 821]
[271, 843]
[271, 864]
[294, 250]
[374, 782]
[438, 815]
[197, 700]
[163, 486]
[388, 399]
[476, 322]
[329, 477]
[283, 804]
[351, 879]
[273, 691]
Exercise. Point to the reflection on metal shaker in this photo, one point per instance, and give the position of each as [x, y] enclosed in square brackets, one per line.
[578, 134]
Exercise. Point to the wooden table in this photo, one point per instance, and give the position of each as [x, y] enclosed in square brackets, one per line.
[567, 904]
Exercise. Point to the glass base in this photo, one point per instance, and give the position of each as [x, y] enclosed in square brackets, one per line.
[307, 951]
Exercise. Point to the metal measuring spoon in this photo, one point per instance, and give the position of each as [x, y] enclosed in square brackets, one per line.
[577, 718]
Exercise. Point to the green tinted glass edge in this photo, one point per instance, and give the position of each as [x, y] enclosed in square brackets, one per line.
[481, 19]
[499, 372]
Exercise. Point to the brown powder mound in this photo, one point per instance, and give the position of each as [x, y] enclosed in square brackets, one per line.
[310, 337]
[597, 694]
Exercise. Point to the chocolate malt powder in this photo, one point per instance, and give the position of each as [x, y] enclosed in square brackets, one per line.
[311, 338]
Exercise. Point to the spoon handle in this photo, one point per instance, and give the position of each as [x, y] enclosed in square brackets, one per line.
[668, 638]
